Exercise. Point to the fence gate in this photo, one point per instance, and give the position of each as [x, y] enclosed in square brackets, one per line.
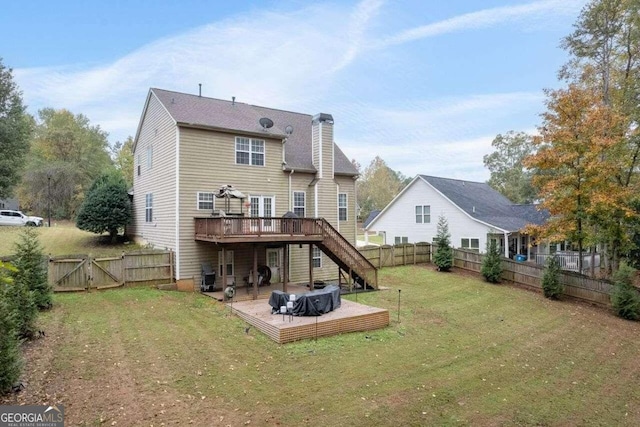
[106, 272]
[69, 273]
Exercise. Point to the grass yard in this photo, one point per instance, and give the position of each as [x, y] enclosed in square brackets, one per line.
[373, 238]
[64, 239]
[464, 353]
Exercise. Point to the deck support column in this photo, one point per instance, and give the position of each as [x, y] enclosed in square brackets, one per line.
[285, 267]
[255, 272]
[224, 269]
[310, 267]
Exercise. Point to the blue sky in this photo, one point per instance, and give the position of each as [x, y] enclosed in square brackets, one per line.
[425, 85]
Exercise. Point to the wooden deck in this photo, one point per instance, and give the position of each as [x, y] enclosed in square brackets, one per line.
[350, 317]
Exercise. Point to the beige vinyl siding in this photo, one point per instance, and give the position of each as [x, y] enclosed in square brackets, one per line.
[315, 136]
[327, 150]
[346, 184]
[157, 131]
[207, 161]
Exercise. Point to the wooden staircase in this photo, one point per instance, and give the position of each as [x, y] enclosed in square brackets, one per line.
[346, 256]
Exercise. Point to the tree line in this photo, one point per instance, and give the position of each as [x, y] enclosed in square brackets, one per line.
[582, 166]
[51, 160]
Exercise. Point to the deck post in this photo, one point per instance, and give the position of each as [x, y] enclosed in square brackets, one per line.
[310, 267]
[224, 269]
[285, 267]
[255, 271]
[339, 277]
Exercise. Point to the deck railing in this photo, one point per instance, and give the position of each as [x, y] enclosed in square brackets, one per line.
[221, 227]
[349, 254]
[569, 260]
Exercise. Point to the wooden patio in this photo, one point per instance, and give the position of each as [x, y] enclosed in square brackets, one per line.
[350, 317]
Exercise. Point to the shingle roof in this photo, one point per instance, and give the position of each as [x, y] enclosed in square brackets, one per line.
[187, 109]
[485, 204]
[372, 215]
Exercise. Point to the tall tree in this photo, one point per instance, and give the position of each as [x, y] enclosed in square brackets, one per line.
[67, 155]
[509, 176]
[107, 206]
[605, 57]
[15, 130]
[122, 153]
[377, 186]
[575, 158]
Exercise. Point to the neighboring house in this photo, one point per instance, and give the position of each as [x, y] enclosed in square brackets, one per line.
[187, 147]
[475, 212]
[11, 204]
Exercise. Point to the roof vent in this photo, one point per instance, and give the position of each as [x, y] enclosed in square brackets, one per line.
[266, 123]
[233, 100]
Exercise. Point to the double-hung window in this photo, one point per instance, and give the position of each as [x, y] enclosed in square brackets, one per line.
[401, 239]
[148, 208]
[342, 206]
[205, 201]
[470, 244]
[299, 203]
[317, 257]
[423, 214]
[249, 151]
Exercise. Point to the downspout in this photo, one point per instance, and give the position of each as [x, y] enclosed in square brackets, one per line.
[290, 192]
[177, 245]
[506, 244]
[355, 211]
[338, 207]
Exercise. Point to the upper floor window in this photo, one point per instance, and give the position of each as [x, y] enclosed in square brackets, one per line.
[470, 244]
[342, 207]
[423, 214]
[149, 157]
[148, 208]
[205, 201]
[249, 151]
[299, 203]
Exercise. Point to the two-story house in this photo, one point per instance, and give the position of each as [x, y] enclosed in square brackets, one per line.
[187, 147]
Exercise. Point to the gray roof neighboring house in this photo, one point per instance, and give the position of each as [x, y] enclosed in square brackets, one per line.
[232, 116]
[485, 204]
[482, 203]
[372, 215]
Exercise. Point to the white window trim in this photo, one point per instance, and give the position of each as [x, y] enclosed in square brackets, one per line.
[230, 261]
[401, 238]
[422, 214]
[148, 207]
[345, 207]
[304, 202]
[318, 258]
[470, 239]
[250, 151]
[198, 201]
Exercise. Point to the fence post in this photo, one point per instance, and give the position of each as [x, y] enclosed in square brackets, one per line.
[171, 266]
[380, 256]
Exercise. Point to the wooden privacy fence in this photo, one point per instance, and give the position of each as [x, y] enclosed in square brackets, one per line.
[403, 254]
[84, 272]
[528, 274]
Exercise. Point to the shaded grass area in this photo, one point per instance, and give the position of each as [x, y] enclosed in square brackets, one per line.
[65, 239]
[463, 353]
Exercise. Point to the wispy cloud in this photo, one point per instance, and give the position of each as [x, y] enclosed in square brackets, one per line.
[485, 18]
[300, 60]
[360, 18]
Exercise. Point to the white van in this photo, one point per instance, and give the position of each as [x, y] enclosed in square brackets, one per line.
[8, 217]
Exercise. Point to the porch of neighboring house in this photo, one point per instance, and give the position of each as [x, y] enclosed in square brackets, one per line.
[519, 247]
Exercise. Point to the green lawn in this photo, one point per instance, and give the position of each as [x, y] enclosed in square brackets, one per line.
[463, 353]
[375, 239]
[63, 238]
